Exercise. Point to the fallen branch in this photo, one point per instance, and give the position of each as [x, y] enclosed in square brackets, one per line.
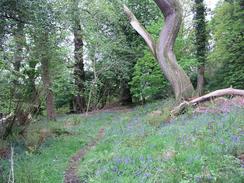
[218, 93]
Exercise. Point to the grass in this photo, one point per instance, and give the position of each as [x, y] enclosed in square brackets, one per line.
[192, 148]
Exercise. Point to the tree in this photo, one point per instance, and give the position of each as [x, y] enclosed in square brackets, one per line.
[148, 82]
[147, 12]
[227, 53]
[79, 73]
[46, 78]
[163, 51]
[200, 42]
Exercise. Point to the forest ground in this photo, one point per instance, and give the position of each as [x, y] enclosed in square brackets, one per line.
[137, 145]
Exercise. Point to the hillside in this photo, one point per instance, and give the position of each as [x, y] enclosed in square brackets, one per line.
[134, 145]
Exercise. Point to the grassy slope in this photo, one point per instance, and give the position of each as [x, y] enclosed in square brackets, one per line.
[198, 148]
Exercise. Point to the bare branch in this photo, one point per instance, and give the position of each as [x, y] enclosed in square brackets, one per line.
[141, 30]
[218, 93]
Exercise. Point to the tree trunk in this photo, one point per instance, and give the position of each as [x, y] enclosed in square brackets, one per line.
[126, 97]
[163, 51]
[34, 97]
[200, 42]
[47, 83]
[79, 73]
[178, 79]
[19, 41]
[2, 33]
[200, 80]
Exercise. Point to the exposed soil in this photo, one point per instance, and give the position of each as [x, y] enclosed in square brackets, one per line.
[241, 158]
[70, 174]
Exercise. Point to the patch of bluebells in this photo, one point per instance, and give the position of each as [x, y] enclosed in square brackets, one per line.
[193, 159]
[123, 160]
[143, 162]
[135, 127]
[235, 139]
[101, 171]
[185, 139]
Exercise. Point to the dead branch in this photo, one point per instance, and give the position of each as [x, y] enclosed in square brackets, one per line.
[218, 93]
[141, 30]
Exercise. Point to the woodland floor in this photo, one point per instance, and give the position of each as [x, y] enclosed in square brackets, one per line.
[134, 145]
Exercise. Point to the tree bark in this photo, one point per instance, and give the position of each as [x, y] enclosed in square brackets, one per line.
[200, 42]
[163, 50]
[200, 80]
[79, 73]
[178, 79]
[46, 79]
[19, 41]
[218, 93]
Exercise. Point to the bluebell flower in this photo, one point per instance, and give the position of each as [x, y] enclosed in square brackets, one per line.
[235, 139]
[146, 175]
[118, 160]
[127, 160]
[115, 169]
[141, 158]
[138, 172]
[222, 141]
[198, 178]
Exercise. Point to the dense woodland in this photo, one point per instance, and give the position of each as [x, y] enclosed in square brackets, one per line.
[77, 56]
[62, 57]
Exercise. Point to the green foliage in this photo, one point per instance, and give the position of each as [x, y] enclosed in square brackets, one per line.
[198, 149]
[200, 31]
[148, 82]
[227, 55]
[201, 148]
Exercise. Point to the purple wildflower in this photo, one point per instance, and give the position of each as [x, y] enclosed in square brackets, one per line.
[127, 160]
[146, 175]
[235, 139]
[141, 158]
[222, 141]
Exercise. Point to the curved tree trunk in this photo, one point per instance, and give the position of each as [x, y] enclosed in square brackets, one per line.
[163, 50]
[178, 79]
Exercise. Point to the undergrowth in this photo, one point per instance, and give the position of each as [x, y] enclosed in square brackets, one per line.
[137, 148]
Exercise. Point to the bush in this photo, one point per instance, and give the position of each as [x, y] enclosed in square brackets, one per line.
[148, 81]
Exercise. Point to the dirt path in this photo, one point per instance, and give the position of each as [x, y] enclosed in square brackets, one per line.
[70, 174]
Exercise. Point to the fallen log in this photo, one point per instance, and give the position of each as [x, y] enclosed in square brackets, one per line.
[218, 93]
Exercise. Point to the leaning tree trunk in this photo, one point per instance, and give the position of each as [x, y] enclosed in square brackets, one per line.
[163, 50]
